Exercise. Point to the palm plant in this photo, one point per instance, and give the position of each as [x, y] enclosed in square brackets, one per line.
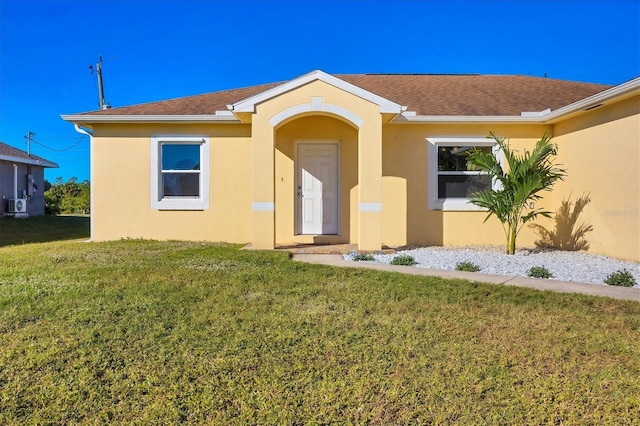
[528, 174]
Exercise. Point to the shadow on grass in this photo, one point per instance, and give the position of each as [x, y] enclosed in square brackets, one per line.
[43, 229]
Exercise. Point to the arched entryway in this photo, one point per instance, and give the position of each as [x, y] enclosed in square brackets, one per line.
[316, 178]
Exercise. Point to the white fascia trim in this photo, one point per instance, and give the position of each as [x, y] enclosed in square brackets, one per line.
[224, 117]
[248, 105]
[33, 161]
[586, 103]
[263, 206]
[535, 113]
[370, 207]
[444, 119]
[224, 113]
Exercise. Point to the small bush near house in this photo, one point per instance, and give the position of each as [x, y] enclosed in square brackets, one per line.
[539, 272]
[467, 266]
[404, 260]
[622, 278]
[363, 257]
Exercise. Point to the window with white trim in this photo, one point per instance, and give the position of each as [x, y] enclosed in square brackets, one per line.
[179, 172]
[450, 183]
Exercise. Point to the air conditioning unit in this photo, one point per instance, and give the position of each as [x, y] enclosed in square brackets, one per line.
[18, 205]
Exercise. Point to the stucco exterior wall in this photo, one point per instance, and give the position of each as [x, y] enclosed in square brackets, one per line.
[601, 151]
[121, 181]
[406, 218]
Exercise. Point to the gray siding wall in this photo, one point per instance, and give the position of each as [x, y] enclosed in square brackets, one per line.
[35, 202]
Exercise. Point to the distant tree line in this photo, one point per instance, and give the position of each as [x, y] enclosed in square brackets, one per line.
[70, 197]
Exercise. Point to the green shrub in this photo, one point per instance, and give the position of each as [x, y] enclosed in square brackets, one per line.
[365, 257]
[621, 278]
[467, 266]
[539, 272]
[403, 259]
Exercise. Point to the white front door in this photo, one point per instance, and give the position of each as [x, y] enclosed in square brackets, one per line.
[317, 188]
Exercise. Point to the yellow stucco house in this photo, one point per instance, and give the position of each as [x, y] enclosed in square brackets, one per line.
[361, 159]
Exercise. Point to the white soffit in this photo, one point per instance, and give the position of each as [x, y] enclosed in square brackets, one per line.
[248, 105]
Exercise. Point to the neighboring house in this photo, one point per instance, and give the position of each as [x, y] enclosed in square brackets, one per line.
[21, 182]
[373, 160]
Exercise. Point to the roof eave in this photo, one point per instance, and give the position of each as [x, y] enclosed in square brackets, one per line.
[30, 161]
[620, 91]
[247, 106]
[225, 117]
[484, 119]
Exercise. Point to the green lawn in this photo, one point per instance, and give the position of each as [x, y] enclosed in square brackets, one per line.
[166, 332]
[40, 229]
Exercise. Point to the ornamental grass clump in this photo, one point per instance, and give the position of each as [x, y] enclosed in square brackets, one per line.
[363, 257]
[622, 278]
[539, 272]
[467, 267]
[403, 260]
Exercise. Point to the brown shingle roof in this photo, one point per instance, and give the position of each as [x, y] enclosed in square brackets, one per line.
[474, 94]
[426, 94]
[15, 154]
[204, 104]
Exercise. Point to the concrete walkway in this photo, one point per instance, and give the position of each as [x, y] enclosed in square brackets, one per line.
[540, 284]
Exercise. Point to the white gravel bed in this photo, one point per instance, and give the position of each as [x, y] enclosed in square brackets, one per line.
[564, 265]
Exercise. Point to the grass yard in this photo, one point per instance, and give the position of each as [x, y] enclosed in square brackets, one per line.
[166, 332]
[41, 229]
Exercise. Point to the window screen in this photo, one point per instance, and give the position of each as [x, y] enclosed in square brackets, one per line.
[180, 170]
[454, 179]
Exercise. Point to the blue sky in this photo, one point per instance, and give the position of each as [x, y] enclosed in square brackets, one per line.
[161, 49]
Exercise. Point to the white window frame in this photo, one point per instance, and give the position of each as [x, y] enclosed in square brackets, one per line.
[453, 204]
[158, 201]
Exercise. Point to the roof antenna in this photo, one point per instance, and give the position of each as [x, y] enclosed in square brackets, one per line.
[101, 102]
